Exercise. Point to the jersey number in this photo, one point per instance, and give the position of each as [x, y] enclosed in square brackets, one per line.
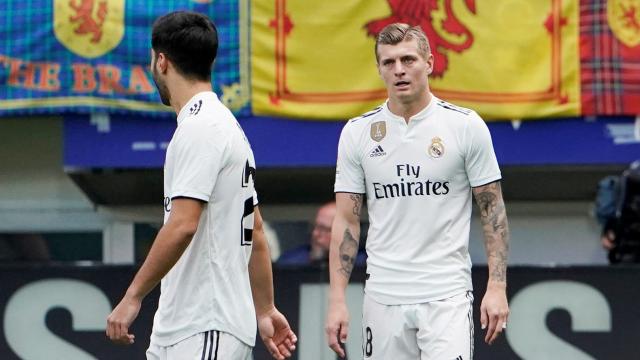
[246, 232]
[368, 346]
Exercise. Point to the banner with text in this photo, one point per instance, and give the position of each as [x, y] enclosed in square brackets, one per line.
[59, 312]
[93, 55]
[505, 59]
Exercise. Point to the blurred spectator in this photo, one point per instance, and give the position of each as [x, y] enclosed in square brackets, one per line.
[317, 250]
[618, 211]
[23, 247]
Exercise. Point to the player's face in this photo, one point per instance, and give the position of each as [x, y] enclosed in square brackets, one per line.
[404, 71]
[165, 96]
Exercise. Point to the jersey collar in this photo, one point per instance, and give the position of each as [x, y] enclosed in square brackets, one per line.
[423, 114]
[194, 104]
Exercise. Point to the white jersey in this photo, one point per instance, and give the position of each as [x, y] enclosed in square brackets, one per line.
[209, 159]
[418, 179]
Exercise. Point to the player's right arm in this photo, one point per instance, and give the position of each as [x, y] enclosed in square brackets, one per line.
[171, 241]
[345, 235]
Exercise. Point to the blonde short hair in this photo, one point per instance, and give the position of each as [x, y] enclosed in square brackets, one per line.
[396, 33]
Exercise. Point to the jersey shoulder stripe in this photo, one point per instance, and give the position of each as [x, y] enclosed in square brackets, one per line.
[195, 108]
[450, 106]
[367, 114]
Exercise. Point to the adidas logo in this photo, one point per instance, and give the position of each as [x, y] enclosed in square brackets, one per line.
[195, 109]
[377, 151]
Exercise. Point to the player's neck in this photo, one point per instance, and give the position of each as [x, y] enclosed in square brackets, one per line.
[409, 108]
[183, 90]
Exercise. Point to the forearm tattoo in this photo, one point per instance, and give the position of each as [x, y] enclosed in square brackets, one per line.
[349, 245]
[495, 226]
[348, 253]
[357, 204]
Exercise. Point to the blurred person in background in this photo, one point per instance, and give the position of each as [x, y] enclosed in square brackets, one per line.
[23, 248]
[617, 209]
[211, 255]
[418, 159]
[316, 251]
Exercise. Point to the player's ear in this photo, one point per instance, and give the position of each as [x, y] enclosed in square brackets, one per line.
[430, 63]
[163, 63]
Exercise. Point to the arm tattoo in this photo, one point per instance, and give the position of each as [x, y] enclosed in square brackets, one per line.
[348, 253]
[493, 217]
[357, 204]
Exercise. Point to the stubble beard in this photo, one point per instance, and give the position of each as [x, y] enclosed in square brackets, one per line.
[163, 90]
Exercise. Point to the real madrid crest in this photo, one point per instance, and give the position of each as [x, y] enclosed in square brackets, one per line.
[436, 149]
[378, 130]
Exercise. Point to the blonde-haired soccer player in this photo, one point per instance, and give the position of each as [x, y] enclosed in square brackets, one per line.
[418, 159]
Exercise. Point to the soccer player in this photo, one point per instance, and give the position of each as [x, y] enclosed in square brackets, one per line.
[211, 253]
[418, 159]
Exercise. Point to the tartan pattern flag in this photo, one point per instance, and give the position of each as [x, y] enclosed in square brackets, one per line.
[610, 57]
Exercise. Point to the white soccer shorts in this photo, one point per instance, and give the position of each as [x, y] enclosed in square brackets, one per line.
[437, 330]
[210, 345]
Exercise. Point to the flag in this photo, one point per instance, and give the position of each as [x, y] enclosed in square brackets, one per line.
[507, 60]
[610, 57]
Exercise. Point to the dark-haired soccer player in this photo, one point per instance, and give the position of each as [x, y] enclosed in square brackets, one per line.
[211, 253]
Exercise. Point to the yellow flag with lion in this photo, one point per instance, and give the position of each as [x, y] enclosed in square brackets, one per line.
[506, 59]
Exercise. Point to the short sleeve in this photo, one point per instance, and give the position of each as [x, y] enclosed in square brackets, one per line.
[481, 164]
[198, 155]
[349, 172]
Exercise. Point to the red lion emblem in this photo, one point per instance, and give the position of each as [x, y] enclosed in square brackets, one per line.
[84, 16]
[630, 18]
[419, 12]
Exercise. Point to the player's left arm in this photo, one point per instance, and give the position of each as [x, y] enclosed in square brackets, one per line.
[168, 246]
[272, 325]
[494, 310]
